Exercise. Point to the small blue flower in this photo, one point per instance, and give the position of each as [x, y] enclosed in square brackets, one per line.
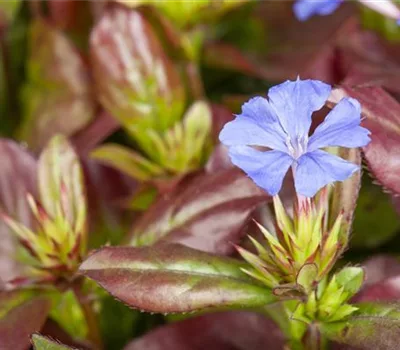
[304, 9]
[281, 124]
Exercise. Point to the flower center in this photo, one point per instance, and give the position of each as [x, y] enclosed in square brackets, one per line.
[297, 146]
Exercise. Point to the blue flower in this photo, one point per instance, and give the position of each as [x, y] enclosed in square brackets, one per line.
[272, 135]
[304, 9]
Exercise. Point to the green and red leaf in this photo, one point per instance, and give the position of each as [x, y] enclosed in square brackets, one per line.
[373, 326]
[207, 212]
[136, 82]
[21, 313]
[57, 96]
[170, 278]
[40, 342]
[17, 178]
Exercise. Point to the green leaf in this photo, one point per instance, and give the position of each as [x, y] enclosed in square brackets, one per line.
[117, 322]
[62, 191]
[69, 315]
[127, 161]
[142, 198]
[181, 148]
[186, 13]
[173, 278]
[22, 312]
[373, 326]
[42, 343]
[387, 27]
[307, 276]
[351, 279]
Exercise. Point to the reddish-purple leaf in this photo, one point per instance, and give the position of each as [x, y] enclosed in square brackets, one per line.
[57, 96]
[17, 178]
[96, 132]
[373, 57]
[208, 212]
[382, 279]
[220, 116]
[380, 267]
[386, 290]
[237, 330]
[169, 277]
[97, 8]
[382, 118]
[135, 81]
[21, 314]
[309, 48]
[234, 59]
[106, 188]
[219, 160]
[63, 13]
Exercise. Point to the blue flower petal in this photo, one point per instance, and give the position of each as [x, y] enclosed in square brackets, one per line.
[266, 169]
[258, 125]
[315, 170]
[304, 9]
[295, 101]
[341, 127]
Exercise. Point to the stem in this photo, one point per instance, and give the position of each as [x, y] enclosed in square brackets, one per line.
[313, 339]
[94, 335]
[194, 80]
[304, 203]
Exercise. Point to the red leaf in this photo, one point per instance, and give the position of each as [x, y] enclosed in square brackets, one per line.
[373, 57]
[219, 160]
[107, 219]
[96, 132]
[233, 59]
[219, 331]
[380, 267]
[206, 213]
[382, 279]
[387, 290]
[309, 48]
[220, 116]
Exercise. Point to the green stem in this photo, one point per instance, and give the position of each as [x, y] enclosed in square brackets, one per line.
[94, 334]
[313, 339]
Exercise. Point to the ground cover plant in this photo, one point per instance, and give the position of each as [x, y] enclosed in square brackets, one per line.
[201, 174]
